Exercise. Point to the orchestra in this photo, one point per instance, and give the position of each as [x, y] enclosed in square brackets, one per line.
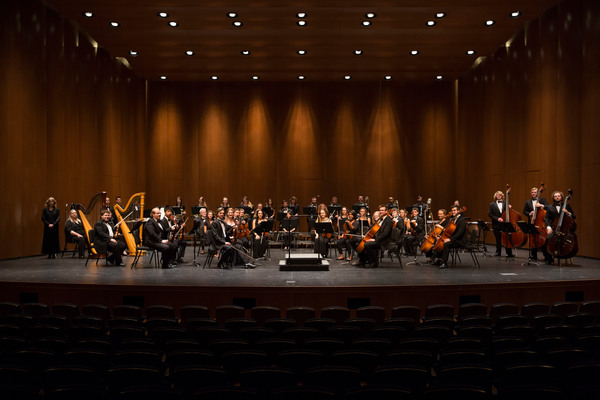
[246, 232]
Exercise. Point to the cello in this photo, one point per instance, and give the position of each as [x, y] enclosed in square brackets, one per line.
[563, 243]
[370, 234]
[518, 237]
[537, 219]
[434, 235]
[446, 233]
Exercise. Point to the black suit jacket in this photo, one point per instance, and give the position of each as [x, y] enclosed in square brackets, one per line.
[217, 228]
[494, 213]
[552, 213]
[102, 235]
[152, 232]
[528, 207]
[459, 236]
[383, 235]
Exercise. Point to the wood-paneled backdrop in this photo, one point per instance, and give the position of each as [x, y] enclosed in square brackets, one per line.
[76, 121]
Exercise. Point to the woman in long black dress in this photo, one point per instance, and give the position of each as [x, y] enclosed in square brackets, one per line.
[75, 233]
[51, 219]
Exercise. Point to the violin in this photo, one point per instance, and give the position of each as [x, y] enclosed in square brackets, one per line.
[518, 237]
[446, 233]
[241, 230]
[563, 243]
[176, 235]
[537, 219]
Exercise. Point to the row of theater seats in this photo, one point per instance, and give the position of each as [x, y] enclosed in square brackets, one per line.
[66, 351]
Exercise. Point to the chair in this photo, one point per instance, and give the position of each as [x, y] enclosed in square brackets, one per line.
[193, 311]
[541, 321]
[68, 310]
[413, 378]
[76, 391]
[60, 375]
[394, 246]
[320, 324]
[225, 392]
[302, 393]
[141, 249]
[96, 310]
[500, 309]
[413, 312]
[97, 247]
[534, 373]
[472, 374]
[592, 307]
[326, 345]
[190, 379]
[376, 313]
[237, 324]
[235, 361]
[364, 360]
[420, 358]
[532, 391]
[266, 379]
[9, 307]
[225, 312]
[97, 360]
[272, 346]
[160, 311]
[344, 332]
[280, 324]
[564, 308]
[300, 314]
[138, 357]
[299, 334]
[212, 249]
[124, 376]
[464, 392]
[336, 378]
[471, 310]
[532, 309]
[188, 358]
[262, 313]
[378, 392]
[379, 346]
[126, 310]
[337, 313]
[150, 392]
[365, 325]
[439, 310]
[299, 360]
[470, 247]
[36, 309]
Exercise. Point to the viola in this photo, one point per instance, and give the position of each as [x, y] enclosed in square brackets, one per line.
[563, 243]
[537, 219]
[517, 238]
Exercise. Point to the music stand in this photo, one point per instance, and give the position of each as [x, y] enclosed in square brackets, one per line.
[324, 229]
[247, 209]
[176, 210]
[311, 212]
[507, 227]
[532, 231]
[268, 212]
[147, 213]
[336, 209]
[361, 225]
[483, 228]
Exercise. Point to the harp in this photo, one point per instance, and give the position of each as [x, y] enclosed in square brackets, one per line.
[83, 211]
[120, 211]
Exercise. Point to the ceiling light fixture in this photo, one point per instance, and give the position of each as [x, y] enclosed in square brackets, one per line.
[214, 77]
[366, 23]
[440, 15]
[490, 22]
[515, 14]
[173, 24]
[301, 22]
[88, 14]
[431, 23]
[162, 77]
[301, 15]
[347, 77]
[133, 53]
[370, 15]
[358, 52]
[163, 14]
[255, 78]
[245, 52]
[301, 77]
[439, 77]
[388, 77]
[470, 52]
[189, 53]
[114, 24]
[302, 52]
[237, 23]
[232, 15]
[414, 52]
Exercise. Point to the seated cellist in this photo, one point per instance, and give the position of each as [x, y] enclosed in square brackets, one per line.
[372, 245]
[456, 240]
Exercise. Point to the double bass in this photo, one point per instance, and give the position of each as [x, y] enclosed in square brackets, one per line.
[563, 243]
[537, 219]
[518, 237]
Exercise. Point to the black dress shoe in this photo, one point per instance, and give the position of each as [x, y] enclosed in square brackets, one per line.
[121, 264]
[168, 266]
[437, 262]
[180, 261]
[510, 255]
[496, 254]
[443, 266]
[110, 260]
[249, 266]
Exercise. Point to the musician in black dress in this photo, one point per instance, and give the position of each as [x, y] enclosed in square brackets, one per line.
[75, 233]
[294, 206]
[288, 234]
[528, 209]
[495, 210]
[155, 237]
[369, 257]
[51, 219]
[348, 226]
[458, 238]
[414, 232]
[321, 240]
[108, 240]
[552, 215]
[171, 231]
[260, 238]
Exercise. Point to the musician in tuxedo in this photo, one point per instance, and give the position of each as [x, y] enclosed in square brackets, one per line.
[495, 210]
[155, 237]
[530, 205]
[458, 238]
[107, 239]
[414, 233]
[222, 240]
[171, 227]
[552, 215]
[369, 257]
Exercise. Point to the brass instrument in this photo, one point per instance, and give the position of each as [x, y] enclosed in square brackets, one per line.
[83, 211]
[129, 239]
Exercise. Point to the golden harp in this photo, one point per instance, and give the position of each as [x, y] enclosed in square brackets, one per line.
[120, 211]
[83, 211]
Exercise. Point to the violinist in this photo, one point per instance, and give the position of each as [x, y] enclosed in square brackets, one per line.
[241, 229]
[246, 205]
[369, 257]
[108, 240]
[155, 237]
[347, 225]
[201, 203]
[199, 228]
[179, 203]
[528, 210]
[288, 234]
[269, 209]
[172, 231]
[552, 216]
[456, 240]
[260, 240]
[321, 240]
[223, 240]
[495, 211]
[225, 204]
[364, 221]
[294, 206]
[415, 232]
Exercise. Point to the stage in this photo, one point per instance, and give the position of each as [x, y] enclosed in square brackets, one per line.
[498, 280]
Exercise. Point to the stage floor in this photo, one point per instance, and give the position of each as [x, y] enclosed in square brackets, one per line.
[418, 282]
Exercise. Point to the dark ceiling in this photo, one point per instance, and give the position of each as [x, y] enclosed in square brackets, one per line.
[332, 34]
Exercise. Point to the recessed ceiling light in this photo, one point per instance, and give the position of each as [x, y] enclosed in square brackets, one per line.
[347, 77]
[133, 53]
[490, 22]
[440, 15]
[515, 14]
[237, 23]
[388, 77]
[245, 52]
[88, 14]
[301, 22]
[301, 15]
[189, 53]
[301, 77]
[414, 52]
[173, 24]
[162, 77]
[232, 15]
[163, 14]
[214, 77]
[370, 15]
[366, 23]
[470, 52]
[255, 78]
[358, 52]
[302, 52]
[439, 77]
[114, 24]
[431, 23]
